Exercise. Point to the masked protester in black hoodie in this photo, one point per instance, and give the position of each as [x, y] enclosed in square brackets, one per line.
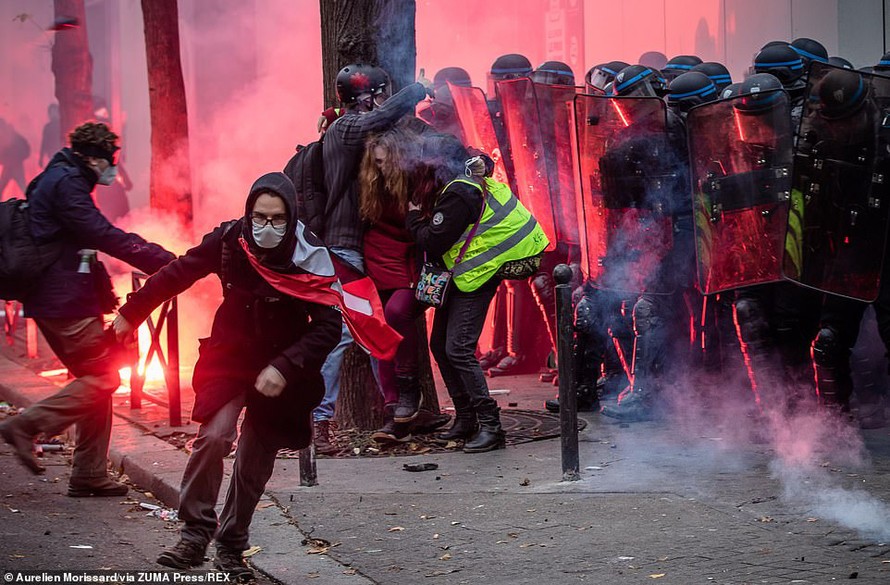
[264, 352]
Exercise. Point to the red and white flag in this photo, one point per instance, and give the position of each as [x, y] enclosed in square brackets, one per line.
[329, 281]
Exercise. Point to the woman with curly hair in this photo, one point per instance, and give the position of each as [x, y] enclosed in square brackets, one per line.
[396, 169]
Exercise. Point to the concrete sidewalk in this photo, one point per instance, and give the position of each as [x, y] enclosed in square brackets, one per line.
[690, 501]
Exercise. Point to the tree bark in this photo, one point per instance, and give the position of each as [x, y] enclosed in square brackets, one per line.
[378, 32]
[170, 170]
[72, 67]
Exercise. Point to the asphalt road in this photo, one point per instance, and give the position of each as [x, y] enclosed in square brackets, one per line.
[41, 528]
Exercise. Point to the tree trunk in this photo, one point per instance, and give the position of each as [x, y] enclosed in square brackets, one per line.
[378, 32]
[72, 67]
[170, 173]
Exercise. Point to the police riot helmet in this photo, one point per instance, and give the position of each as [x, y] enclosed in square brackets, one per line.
[841, 93]
[841, 62]
[653, 60]
[679, 65]
[716, 72]
[510, 66]
[452, 75]
[730, 91]
[883, 66]
[690, 89]
[758, 93]
[357, 79]
[782, 61]
[553, 73]
[639, 81]
[601, 75]
[809, 50]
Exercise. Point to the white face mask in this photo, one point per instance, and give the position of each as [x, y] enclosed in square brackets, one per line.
[108, 176]
[268, 236]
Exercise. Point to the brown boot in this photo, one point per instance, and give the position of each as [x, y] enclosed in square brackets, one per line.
[22, 443]
[323, 437]
[96, 487]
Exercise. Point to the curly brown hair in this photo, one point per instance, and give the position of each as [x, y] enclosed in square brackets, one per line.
[386, 185]
[90, 137]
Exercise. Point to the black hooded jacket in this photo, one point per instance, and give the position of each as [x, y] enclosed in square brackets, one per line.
[255, 325]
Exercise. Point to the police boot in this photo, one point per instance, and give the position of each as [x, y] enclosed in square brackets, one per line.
[834, 383]
[465, 423]
[587, 400]
[635, 404]
[410, 399]
[490, 435]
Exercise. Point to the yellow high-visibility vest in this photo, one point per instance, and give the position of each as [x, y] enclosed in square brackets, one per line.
[507, 231]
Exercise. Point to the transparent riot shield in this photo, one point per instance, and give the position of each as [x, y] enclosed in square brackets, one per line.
[837, 223]
[554, 103]
[475, 122]
[527, 147]
[630, 184]
[740, 161]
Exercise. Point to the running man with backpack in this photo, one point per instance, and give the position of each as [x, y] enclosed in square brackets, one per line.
[68, 303]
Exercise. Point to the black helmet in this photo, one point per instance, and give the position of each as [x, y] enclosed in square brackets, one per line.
[690, 89]
[359, 78]
[884, 64]
[774, 44]
[716, 72]
[679, 65]
[638, 80]
[841, 93]
[809, 50]
[452, 75]
[510, 67]
[601, 75]
[758, 93]
[781, 61]
[841, 62]
[653, 60]
[553, 73]
[730, 91]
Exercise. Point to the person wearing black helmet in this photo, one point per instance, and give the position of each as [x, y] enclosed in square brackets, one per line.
[841, 62]
[439, 113]
[658, 316]
[809, 50]
[690, 89]
[364, 91]
[639, 81]
[510, 66]
[679, 65]
[730, 91]
[848, 127]
[785, 64]
[600, 76]
[553, 73]
[716, 72]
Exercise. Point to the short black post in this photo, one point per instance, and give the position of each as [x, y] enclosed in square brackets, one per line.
[308, 470]
[568, 400]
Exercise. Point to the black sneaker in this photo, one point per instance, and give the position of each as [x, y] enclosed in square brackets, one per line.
[183, 555]
[232, 562]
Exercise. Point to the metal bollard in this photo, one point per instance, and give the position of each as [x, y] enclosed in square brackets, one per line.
[308, 470]
[568, 400]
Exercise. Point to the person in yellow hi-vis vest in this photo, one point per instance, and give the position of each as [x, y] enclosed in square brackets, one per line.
[480, 232]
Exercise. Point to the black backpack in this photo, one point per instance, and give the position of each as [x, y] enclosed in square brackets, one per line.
[22, 259]
[306, 170]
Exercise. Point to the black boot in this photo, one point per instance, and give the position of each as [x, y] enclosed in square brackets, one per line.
[465, 424]
[634, 405]
[391, 431]
[490, 435]
[410, 399]
[587, 401]
[428, 421]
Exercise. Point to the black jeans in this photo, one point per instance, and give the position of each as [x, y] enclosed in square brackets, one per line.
[456, 330]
